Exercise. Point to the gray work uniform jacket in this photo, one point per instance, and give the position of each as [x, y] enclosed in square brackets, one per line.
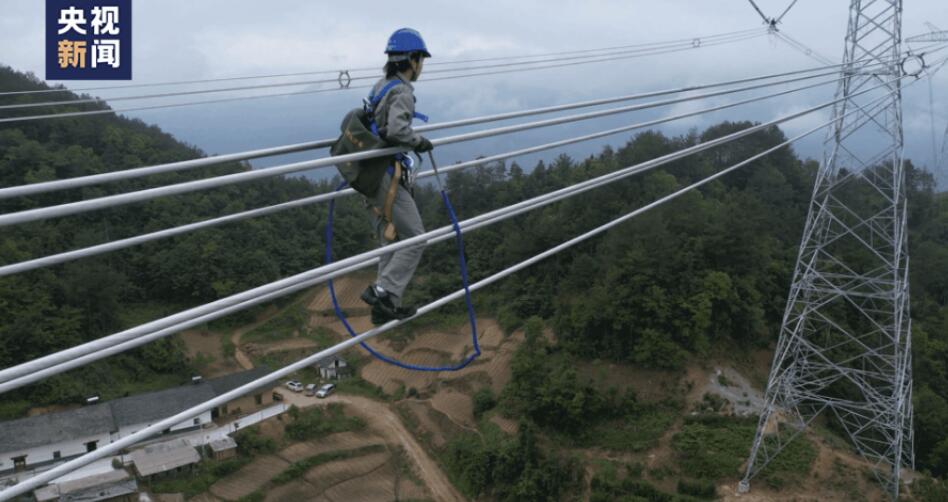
[394, 113]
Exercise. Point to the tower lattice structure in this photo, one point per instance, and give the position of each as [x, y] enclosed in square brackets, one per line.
[844, 350]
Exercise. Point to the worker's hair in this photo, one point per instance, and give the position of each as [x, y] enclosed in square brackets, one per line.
[393, 68]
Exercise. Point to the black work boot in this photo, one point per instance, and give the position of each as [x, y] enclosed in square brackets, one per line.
[384, 310]
[370, 295]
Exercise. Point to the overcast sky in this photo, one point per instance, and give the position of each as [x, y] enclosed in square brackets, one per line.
[187, 39]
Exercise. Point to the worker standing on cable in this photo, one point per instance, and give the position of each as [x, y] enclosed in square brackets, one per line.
[389, 110]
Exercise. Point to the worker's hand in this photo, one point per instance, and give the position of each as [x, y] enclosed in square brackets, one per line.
[424, 145]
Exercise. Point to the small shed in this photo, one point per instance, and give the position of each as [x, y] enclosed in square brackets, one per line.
[333, 368]
[222, 448]
[161, 458]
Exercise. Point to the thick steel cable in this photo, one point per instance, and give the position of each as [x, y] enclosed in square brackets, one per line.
[322, 197]
[161, 234]
[339, 89]
[80, 181]
[141, 239]
[636, 52]
[136, 342]
[246, 176]
[51, 475]
[375, 68]
[370, 257]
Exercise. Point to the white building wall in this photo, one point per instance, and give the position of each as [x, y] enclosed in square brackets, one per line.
[45, 453]
[203, 418]
[77, 446]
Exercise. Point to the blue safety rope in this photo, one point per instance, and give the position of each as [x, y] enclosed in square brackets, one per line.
[467, 292]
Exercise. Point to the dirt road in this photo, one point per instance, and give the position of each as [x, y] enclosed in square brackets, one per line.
[379, 416]
[382, 419]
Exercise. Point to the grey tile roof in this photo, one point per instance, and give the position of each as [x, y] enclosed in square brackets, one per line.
[229, 382]
[154, 406]
[147, 408]
[163, 457]
[329, 362]
[224, 443]
[105, 486]
[39, 430]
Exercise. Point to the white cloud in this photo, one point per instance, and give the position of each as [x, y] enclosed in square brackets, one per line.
[183, 39]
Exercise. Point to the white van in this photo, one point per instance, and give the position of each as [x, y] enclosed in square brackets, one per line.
[325, 390]
[310, 389]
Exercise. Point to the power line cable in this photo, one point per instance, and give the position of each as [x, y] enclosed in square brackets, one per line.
[931, 113]
[633, 52]
[762, 16]
[175, 328]
[161, 234]
[800, 46]
[340, 89]
[201, 319]
[67, 183]
[785, 11]
[37, 481]
[371, 257]
[191, 186]
[17, 106]
[363, 69]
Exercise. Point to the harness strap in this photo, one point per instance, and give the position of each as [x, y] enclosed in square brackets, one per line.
[395, 171]
[390, 234]
[375, 99]
[464, 280]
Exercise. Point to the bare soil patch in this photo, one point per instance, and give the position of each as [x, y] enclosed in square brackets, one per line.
[427, 426]
[456, 406]
[206, 344]
[347, 288]
[435, 348]
[296, 490]
[384, 421]
[378, 484]
[333, 442]
[489, 333]
[285, 345]
[324, 477]
[250, 478]
[456, 345]
[390, 377]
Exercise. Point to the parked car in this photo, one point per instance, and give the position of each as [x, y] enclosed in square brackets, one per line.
[325, 390]
[294, 385]
[277, 396]
[310, 389]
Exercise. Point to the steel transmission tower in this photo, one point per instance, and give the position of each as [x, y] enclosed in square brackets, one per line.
[845, 342]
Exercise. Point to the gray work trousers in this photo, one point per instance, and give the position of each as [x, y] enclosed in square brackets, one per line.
[396, 269]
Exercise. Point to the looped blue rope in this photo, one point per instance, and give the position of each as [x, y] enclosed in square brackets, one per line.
[467, 292]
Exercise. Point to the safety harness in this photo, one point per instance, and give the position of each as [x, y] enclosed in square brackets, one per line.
[355, 135]
[400, 170]
[472, 316]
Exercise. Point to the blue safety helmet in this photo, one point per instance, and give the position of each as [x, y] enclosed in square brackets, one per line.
[406, 41]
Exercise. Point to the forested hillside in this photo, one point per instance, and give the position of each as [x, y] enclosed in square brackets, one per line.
[706, 275]
[53, 308]
[703, 276]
